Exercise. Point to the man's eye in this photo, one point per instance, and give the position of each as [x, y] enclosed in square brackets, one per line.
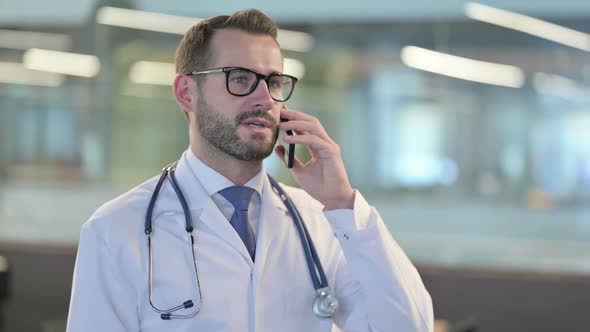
[240, 79]
[275, 83]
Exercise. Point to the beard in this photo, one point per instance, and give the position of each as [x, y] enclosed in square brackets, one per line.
[222, 133]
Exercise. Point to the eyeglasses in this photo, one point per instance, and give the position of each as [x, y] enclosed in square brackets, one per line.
[242, 82]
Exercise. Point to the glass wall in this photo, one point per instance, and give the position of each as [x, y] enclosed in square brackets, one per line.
[463, 172]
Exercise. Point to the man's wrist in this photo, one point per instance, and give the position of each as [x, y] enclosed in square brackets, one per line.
[344, 202]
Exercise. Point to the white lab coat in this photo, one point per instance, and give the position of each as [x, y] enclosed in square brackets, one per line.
[377, 286]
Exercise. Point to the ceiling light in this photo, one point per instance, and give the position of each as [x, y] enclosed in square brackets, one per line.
[62, 62]
[462, 68]
[155, 73]
[293, 67]
[527, 24]
[294, 40]
[142, 20]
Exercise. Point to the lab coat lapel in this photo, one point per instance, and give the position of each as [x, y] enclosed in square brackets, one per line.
[203, 207]
[271, 228]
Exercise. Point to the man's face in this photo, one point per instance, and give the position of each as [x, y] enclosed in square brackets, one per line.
[224, 133]
[244, 127]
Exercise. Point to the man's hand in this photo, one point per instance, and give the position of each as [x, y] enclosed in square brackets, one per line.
[324, 176]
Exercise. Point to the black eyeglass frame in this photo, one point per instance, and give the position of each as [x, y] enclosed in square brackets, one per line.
[259, 77]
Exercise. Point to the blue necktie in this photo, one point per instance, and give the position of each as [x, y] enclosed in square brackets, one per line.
[239, 197]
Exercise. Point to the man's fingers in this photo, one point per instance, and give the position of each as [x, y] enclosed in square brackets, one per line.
[295, 115]
[280, 151]
[305, 127]
[316, 146]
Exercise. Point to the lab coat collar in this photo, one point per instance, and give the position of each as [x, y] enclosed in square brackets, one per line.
[213, 182]
[204, 210]
[186, 173]
[205, 213]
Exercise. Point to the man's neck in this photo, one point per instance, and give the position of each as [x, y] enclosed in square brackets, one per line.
[237, 171]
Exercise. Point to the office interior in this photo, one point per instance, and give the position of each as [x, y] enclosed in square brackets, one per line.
[467, 124]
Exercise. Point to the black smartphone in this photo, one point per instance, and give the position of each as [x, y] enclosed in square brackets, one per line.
[290, 153]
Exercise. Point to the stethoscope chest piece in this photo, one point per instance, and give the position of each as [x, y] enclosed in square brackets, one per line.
[324, 304]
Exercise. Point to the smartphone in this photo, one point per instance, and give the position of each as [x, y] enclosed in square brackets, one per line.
[290, 153]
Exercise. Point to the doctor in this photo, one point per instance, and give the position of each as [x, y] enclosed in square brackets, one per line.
[246, 269]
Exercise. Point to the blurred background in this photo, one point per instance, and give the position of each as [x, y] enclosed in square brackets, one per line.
[467, 124]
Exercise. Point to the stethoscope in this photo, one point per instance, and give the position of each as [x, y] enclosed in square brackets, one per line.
[324, 304]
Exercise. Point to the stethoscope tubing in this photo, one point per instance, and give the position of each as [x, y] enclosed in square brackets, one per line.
[313, 262]
[316, 271]
[166, 314]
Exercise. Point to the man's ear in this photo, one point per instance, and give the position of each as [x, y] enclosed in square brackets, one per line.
[184, 92]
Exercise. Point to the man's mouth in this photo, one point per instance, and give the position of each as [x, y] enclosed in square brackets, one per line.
[256, 123]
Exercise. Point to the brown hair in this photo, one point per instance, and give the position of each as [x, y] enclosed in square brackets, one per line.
[193, 52]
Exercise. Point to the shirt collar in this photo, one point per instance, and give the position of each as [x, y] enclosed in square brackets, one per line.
[213, 182]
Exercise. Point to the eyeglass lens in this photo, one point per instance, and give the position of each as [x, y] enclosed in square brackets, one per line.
[242, 82]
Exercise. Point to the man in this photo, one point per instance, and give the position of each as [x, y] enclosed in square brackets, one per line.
[246, 270]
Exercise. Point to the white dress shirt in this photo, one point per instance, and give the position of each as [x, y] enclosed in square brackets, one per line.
[213, 182]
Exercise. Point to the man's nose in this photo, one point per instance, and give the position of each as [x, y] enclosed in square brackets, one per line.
[261, 96]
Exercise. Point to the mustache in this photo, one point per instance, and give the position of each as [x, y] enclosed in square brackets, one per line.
[256, 114]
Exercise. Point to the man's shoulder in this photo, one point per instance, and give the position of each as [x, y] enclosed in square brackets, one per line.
[125, 209]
